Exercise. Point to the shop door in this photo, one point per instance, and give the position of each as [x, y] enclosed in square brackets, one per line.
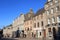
[44, 33]
[54, 33]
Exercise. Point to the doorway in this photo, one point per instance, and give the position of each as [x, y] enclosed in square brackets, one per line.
[54, 33]
[44, 33]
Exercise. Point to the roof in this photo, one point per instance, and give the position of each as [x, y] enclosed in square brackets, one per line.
[8, 26]
[29, 15]
[40, 11]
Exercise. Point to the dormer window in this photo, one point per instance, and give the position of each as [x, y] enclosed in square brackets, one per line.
[51, 3]
[56, 1]
[49, 0]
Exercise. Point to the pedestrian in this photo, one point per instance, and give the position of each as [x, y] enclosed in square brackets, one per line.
[25, 34]
[32, 34]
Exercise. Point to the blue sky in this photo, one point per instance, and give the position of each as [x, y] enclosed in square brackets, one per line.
[10, 9]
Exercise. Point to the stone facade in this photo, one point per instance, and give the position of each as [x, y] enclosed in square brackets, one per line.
[44, 24]
[19, 23]
[28, 23]
[7, 31]
[38, 23]
[52, 11]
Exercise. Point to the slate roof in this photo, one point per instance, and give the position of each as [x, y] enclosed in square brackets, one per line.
[40, 11]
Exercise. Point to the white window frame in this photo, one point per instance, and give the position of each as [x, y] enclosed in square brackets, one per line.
[49, 0]
[52, 11]
[48, 21]
[47, 12]
[53, 20]
[56, 9]
[56, 1]
[58, 19]
[51, 3]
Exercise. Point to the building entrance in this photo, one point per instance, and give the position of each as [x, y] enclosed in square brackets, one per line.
[54, 33]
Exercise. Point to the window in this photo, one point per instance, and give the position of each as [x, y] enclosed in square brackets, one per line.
[34, 25]
[27, 29]
[51, 3]
[42, 23]
[38, 24]
[58, 19]
[52, 11]
[48, 21]
[49, 0]
[49, 30]
[40, 33]
[57, 8]
[31, 28]
[59, 23]
[56, 1]
[47, 12]
[53, 20]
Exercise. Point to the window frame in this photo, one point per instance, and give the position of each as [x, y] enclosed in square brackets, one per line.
[38, 24]
[53, 20]
[52, 11]
[49, 21]
[58, 19]
[56, 1]
[47, 12]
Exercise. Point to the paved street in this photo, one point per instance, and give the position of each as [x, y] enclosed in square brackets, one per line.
[25, 39]
[19, 39]
[8, 39]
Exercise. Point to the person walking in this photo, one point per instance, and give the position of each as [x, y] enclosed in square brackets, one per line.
[25, 34]
[32, 34]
